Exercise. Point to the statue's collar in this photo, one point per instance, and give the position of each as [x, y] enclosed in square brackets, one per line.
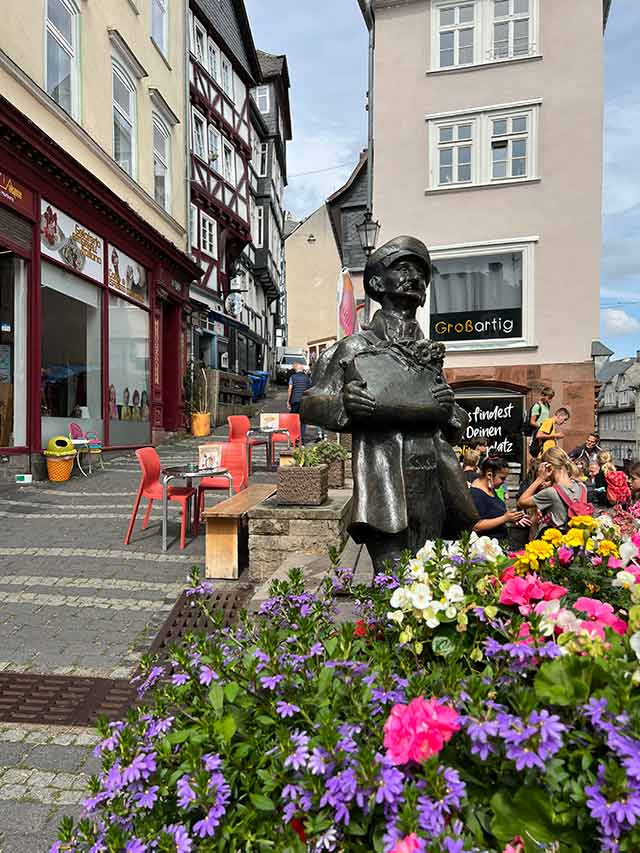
[392, 328]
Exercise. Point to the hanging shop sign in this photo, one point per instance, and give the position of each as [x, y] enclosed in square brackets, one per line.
[234, 303]
[71, 244]
[499, 421]
[502, 324]
[16, 196]
[127, 276]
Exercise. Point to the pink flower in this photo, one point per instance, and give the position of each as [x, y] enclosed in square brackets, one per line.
[409, 844]
[418, 730]
[524, 634]
[565, 555]
[636, 540]
[552, 591]
[615, 563]
[600, 615]
[508, 573]
[523, 591]
[516, 846]
[596, 561]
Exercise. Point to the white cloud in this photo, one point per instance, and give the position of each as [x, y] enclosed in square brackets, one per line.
[618, 322]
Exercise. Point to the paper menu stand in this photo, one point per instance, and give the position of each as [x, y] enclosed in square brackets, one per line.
[269, 421]
[209, 456]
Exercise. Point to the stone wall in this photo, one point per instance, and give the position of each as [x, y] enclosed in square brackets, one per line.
[10, 465]
[277, 532]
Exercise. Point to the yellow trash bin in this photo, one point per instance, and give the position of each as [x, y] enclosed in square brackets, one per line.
[60, 455]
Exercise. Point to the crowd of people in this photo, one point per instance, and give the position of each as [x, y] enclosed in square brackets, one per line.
[556, 486]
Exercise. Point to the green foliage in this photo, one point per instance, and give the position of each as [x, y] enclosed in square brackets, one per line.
[329, 451]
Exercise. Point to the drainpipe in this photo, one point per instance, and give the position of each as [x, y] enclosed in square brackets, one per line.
[187, 123]
[368, 12]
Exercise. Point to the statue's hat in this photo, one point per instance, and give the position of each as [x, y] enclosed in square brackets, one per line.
[399, 247]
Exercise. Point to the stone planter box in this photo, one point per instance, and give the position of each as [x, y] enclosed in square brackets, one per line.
[336, 474]
[303, 486]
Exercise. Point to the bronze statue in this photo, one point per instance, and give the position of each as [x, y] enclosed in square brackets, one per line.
[385, 385]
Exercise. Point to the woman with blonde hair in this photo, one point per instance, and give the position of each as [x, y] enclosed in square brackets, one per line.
[615, 482]
[556, 492]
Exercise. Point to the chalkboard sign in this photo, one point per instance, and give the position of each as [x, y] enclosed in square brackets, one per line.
[498, 420]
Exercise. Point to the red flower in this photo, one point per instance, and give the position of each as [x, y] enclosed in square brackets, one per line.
[298, 827]
[361, 629]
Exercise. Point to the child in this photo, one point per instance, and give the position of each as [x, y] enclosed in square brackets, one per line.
[470, 461]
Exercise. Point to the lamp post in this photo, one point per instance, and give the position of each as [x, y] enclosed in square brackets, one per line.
[368, 231]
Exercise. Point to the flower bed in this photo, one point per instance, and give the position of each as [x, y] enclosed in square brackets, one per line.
[482, 702]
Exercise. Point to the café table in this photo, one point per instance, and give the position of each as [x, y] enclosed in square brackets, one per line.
[189, 473]
[267, 432]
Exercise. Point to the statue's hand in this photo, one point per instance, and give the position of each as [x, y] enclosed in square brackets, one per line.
[358, 402]
[445, 398]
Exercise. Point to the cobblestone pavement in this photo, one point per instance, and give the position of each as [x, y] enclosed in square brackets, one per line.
[75, 601]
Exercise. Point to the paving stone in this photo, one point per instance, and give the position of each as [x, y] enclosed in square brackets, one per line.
[56, 758]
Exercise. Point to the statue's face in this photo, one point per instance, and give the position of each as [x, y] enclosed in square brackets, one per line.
[406, 278]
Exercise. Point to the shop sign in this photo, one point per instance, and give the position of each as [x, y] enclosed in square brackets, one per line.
[127, 276]
[234, 303]
[499, 421]
[69, 243]
[16, 195]
[501, 324]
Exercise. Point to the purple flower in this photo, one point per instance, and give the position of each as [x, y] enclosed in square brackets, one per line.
[270, 682]
[479, 732]
[146, 799]
[286, 709]
[204, 588]
[298, 759]
[186, 794]
[135, 846]
[207, 675]
[340, 790]
[318, 761]
[159, 727]
[208, 825]
[212, 761]
[179, 679]
[142, 766]
[390, 782]
[180, 837]
[316, 649]
[156, 673]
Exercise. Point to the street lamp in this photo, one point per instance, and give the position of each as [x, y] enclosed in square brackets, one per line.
[368, 233]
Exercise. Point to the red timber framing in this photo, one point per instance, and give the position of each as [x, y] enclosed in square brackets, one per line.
[33, 159]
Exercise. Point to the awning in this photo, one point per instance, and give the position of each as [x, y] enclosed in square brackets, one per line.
[236, 324]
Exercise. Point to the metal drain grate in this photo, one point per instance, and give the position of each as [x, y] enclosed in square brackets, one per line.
[187, 617]
[62, 700]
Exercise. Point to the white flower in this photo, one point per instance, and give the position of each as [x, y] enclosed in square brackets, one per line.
[487, 549]
[628, 552]
[400, 599]
[396, 616]
[624, 579]
[451, 571]
[430, 614]
[454, 549]
[555, 616]
[419, 595]
[454, 594]
[416, 569]
[634, 642]
[427, 552]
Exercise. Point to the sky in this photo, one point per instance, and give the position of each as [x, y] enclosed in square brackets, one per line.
[326, 47]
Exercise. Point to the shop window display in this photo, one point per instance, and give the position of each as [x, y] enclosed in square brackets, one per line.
[13, 343]
[128, 373]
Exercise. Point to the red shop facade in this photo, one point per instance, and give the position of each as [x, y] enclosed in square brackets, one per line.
[93, 307]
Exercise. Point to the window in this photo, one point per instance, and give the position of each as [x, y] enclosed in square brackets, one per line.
[477, 32]
[454, 153]
[456, 28]
[262, 98]
[227, 76]
[199, 42]
[214, 61]
[61, 62]
[198, 134]
[260, 227]
[263, 169]
[160, 24]
[491, 147]
[208, 235]
[482, 297]
[124, 120]
[13, 351]
[193, 226]
[129, 375]
[214, 148]
[161, 163]
[511, 28]
[229, 163]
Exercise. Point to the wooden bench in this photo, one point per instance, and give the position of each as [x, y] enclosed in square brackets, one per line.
[227, 532]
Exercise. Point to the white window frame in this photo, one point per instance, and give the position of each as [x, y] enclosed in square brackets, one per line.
[263, 160]
[161, 6]
[165, 130]
[483, 43]
[229, 157]
[208, 228]
[508, 139]
[455, 144]
[119, 70]
[214, 70]
[72, 50]
[436, 8]
[263, 93]
[482, 119]
[215, 162]
[198, 29]
[259, 226]
[527, 246]
[194, 229]
[196, 115]
[510, 19]
[226, 76]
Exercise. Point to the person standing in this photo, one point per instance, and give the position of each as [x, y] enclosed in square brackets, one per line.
[556, 490]
[492, 510]
[541, 410]
[549, 433]
[299, 382]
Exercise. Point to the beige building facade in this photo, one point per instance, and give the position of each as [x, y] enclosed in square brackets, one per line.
[488, 146]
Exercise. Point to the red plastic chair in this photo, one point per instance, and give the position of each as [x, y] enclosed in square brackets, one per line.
[239, 426]
[291, 423]
[151, 488]
[234, 459]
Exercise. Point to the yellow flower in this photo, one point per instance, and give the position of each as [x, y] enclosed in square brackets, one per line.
[552, 535]
[608, 548]
[574, 538]
[586, 522]
[541, 550]
[526, 562]
[590, 545]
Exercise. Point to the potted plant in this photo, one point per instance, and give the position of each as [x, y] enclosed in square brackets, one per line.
[334, 455]
[196, 387]
[305, 482]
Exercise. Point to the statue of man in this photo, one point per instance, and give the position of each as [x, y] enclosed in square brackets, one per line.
[386, 387]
